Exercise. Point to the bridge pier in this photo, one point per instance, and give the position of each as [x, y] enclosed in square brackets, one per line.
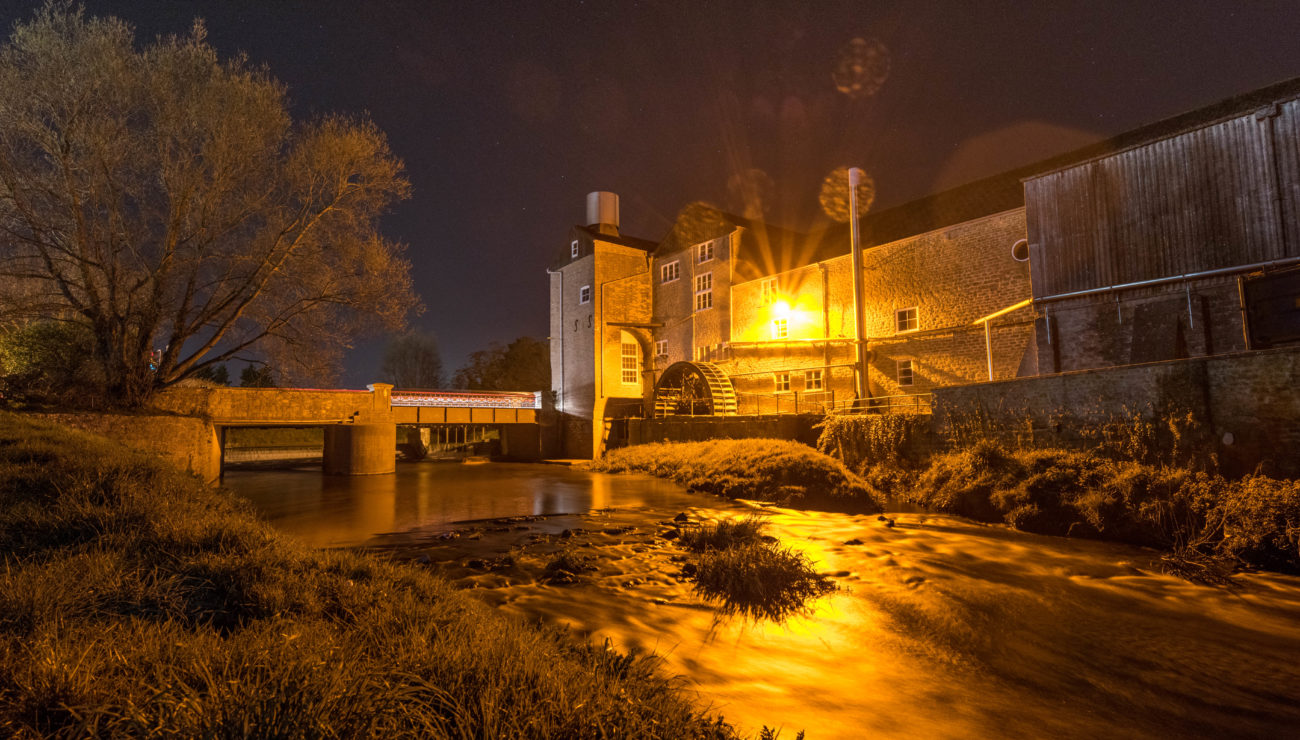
[360, 449]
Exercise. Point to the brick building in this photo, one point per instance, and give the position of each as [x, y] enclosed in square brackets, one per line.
[1177, 240]
[726, 315]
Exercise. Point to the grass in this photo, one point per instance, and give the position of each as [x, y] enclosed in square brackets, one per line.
[748, 573]
[1206, 523]
[134, 601]
[759, 469]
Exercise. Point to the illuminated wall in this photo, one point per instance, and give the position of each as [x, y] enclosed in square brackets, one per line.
[951, 277]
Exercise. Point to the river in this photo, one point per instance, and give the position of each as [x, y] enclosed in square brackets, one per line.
[942, 628]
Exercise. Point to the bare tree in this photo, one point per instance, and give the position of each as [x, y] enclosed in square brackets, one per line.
[164, 199]
[412, 360]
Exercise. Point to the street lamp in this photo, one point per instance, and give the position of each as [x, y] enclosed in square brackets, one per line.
[860, 343]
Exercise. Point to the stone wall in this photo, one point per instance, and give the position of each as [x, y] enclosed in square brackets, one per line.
[788, 426]
[951, 276]
[1139, 325]
[1249, 402]
[189, 443]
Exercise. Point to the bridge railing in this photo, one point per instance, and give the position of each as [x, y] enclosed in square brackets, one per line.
[468, 399]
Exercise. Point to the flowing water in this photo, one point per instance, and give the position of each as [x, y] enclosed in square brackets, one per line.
[942, 628]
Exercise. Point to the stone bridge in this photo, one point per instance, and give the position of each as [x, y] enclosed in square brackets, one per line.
[360, 426]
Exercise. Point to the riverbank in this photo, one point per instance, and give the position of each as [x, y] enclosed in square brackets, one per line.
[136, 601]
[770, 470]
[1206, 525]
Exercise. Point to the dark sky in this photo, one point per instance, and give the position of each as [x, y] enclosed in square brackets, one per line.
[508, 113]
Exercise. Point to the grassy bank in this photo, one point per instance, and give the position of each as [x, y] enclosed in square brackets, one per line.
[1204, 520]
[759, 469]
[134, 601]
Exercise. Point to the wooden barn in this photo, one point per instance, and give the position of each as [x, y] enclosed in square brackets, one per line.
[1180, 239]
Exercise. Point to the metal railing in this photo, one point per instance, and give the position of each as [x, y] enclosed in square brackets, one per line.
[795, 402]
[911, 403]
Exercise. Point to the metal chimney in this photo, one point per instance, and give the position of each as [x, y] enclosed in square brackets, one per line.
[602, 212]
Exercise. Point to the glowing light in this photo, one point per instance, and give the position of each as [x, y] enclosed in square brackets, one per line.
[781, 310]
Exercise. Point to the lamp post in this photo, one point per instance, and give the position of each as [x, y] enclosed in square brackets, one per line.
[860, 344]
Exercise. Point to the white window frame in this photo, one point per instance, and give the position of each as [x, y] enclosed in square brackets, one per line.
[767, 291]
[906, 373]
[902, 320]
[630, 363]
[780, 329]
[781, 382]
[704, 291]
[704, 252]
[661, 348]
[669, 271]
[573, 249]
[813, 380]
[584, 295]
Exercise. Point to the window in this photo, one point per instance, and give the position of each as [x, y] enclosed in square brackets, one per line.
[780, 328]
[704, 291]
[905, 376]
[782, 382]
[767, 291]
[661, 348]
[668, 272]
[905, 319]
[584, 294]
[573, 249]
[704, 252]
[812, 380]
[631, 364]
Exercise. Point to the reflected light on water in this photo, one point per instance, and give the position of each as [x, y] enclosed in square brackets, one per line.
[942, 628]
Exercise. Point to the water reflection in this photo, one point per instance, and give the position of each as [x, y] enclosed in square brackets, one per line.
[351, 510]
[943, 628]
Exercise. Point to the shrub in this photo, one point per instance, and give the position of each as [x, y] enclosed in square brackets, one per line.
[863, 440]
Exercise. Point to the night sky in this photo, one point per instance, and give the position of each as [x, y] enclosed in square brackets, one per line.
[507, 113]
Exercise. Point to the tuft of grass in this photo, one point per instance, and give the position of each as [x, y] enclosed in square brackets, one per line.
[745, 570]
[134, 601]
[759, 469]
[722, 535]
[759, 580]
[566, 567]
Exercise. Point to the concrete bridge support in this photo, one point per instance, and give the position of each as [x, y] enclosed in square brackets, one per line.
[360, 449]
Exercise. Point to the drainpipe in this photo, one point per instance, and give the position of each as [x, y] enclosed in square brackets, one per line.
[563, 368]
[855, 178]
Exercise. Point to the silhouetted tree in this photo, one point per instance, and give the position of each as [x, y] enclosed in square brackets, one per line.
[522, 365]
[257, 376]
[214, 374]
[164, 198]
[412, 360]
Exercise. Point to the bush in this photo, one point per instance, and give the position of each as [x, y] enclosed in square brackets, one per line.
[1203, 520]
[867, 440]
[49, 362]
